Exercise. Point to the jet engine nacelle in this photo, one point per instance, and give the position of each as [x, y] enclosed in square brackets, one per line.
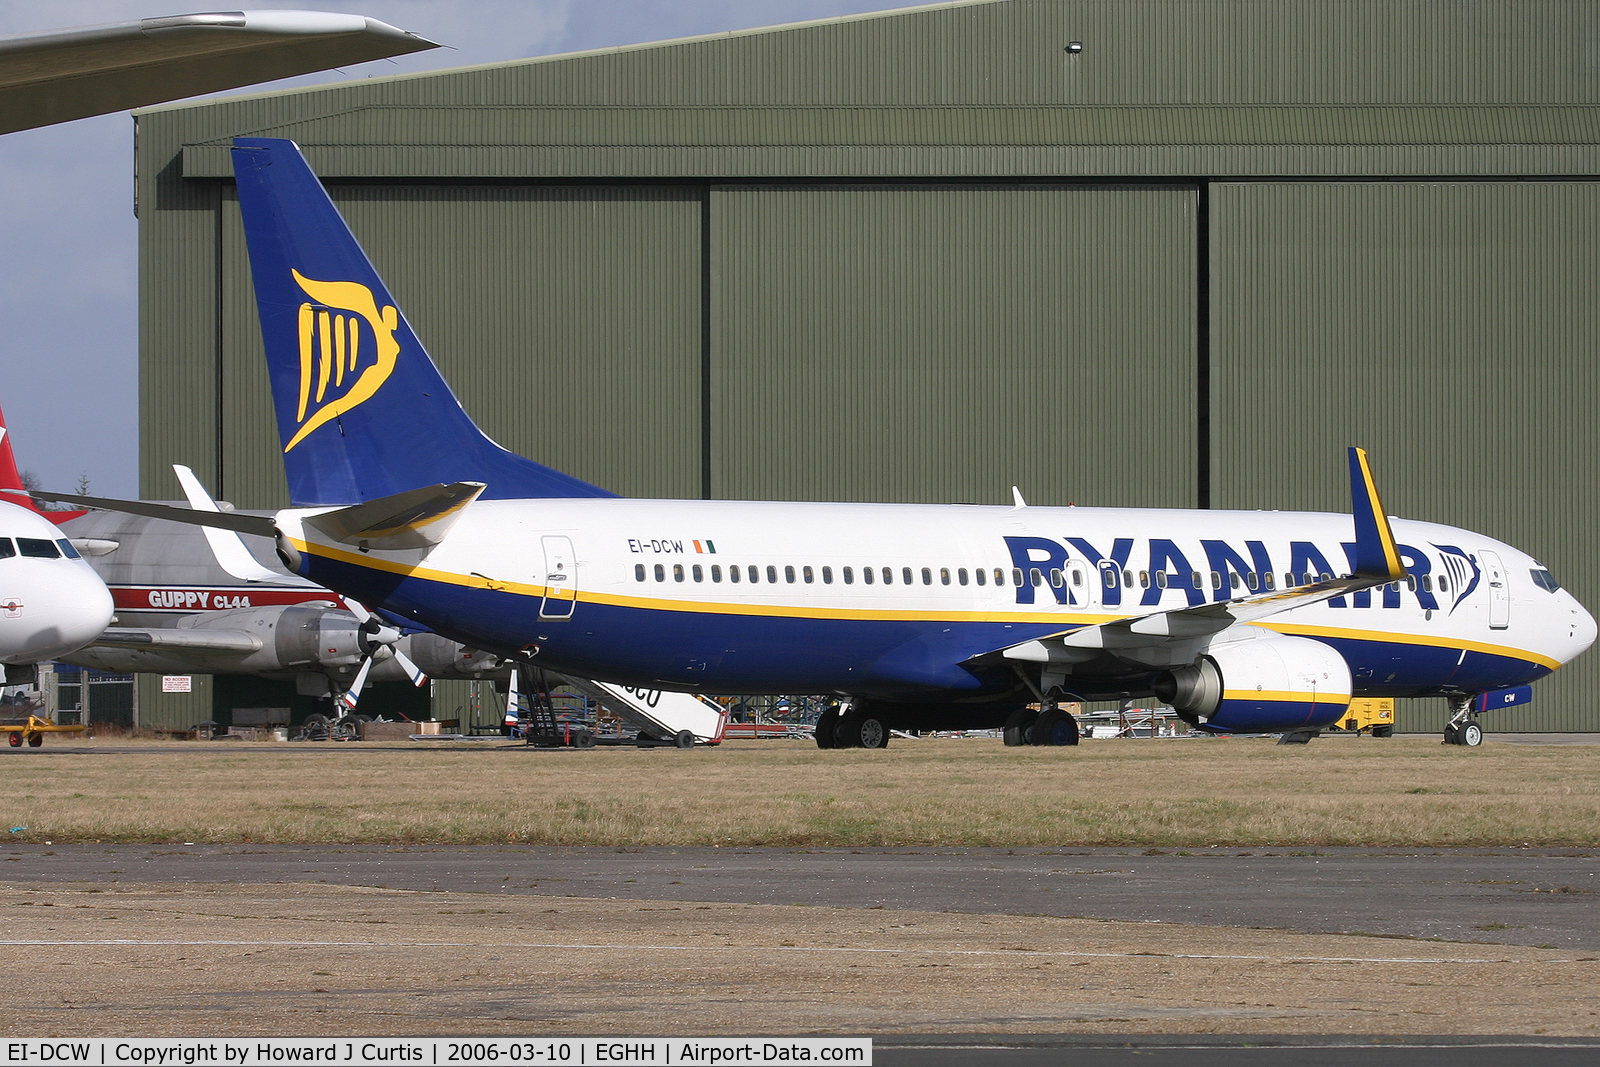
[1267, 685]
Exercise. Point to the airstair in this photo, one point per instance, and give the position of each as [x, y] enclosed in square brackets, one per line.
[656, 713]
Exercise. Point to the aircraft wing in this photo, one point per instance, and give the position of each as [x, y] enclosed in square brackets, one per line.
[61, 75]
[229, 641]
[1165, 637]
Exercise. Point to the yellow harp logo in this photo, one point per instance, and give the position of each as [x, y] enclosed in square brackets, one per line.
[331, 350]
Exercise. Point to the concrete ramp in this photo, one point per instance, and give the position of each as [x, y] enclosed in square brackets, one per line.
[656, 712]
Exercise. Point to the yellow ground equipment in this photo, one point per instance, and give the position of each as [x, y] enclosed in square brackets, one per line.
[33, 730]
[1373, 714]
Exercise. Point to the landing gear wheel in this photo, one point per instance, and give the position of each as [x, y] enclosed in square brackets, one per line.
[1383, 731]
[684, 739]
[345, 728]
[315, 728]
[1017, 726]
[1471, 735]
[848, 733]
[15, 740]
[1055, 727]
[827, 725]
[872, 731]
[35, 740]
[1452, 736]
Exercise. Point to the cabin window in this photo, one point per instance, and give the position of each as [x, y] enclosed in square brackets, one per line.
[638, 569]
[1288, 581]
[699, 573]
[1055, 577]
[1161, 579]
[1000, 576]
[1270, 579]
[1195, 580]
[849, 575]
[677, 572]
[37, 548]
[733, 574]
[981, 575]
[716, 572]
[754, 573]
[788, 574]
[1411, 580]
[944, 576]
[1036, 576]
[1016, 576]
[888, 576]
[927, 576]
[827, 576]
[905, 574]
[1327, 577]
[661, 573]
[1251, 581]
[1443, 588]
[961, 576]
[1077, 578]
[1110, 578]
[1233, 582]
[1216, 580]
[866, 575]
[1144, 579]
[1427, 583]
[807, 575]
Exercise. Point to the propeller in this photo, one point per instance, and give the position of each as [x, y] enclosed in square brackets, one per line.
[375, 636]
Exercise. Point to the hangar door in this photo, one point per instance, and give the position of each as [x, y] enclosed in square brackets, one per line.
[944, 342]
[566, 320]
[1447, 327]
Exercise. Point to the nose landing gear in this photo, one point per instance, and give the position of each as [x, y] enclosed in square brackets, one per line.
[1463, 728]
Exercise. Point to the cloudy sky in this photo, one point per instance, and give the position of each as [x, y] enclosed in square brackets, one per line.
[70, 344]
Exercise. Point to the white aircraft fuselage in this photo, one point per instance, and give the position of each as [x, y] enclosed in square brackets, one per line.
[51, 601]
[776, 597]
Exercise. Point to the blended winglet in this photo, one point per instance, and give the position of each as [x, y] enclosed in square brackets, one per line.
[1376, 552]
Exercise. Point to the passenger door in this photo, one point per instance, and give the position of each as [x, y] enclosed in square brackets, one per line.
[1494, 575]
[560, 578]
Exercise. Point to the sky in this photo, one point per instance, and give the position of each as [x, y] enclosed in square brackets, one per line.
[69, 298]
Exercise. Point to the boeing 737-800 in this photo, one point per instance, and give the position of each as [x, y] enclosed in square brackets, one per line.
[920, 616]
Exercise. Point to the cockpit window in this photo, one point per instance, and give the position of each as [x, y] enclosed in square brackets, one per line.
[38, 548]
[67, 549]
[1545, 580]
[7, 549]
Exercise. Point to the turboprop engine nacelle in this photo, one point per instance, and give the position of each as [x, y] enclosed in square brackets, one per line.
[1267, 685]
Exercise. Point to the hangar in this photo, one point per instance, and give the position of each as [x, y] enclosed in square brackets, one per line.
[1115, 252]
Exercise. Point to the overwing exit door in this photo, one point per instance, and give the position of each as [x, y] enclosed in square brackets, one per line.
[560, 578]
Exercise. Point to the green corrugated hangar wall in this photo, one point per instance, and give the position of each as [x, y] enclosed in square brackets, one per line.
[931, 254]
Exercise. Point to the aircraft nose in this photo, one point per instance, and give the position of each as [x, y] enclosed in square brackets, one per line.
[80, 609]
[1581, 631]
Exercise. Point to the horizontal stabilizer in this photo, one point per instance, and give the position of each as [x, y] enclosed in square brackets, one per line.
[417, 518]
[262, 525]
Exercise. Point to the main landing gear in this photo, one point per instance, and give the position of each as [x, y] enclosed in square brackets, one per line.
[852, 726]
[1463, 728]
[1050, 725]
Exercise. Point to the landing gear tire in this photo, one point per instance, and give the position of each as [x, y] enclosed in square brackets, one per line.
[827, 727]
[15, 740]
[684, 739]
[1017, 726]
[1470, 735]
[1452, 735]
[1055, 727]
[848, 733]
[1383, 731]
[315, 728]
[35, 740]
[871, 731]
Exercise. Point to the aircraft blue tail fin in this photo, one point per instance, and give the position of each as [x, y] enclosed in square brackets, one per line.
[362, 411]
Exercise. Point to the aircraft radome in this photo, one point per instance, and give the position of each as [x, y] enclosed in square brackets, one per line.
[921, 616]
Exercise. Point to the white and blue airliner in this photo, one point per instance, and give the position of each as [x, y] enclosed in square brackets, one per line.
[916, 616]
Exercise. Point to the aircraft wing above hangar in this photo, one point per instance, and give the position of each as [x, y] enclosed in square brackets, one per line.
[52, 77]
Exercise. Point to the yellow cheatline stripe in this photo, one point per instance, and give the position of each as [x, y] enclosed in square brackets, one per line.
[1285, 695]
[1391, 637]
[882, 615]
[1391, 553]
[1060, 618]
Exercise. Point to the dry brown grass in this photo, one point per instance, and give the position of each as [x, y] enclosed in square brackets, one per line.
[1167, 794]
